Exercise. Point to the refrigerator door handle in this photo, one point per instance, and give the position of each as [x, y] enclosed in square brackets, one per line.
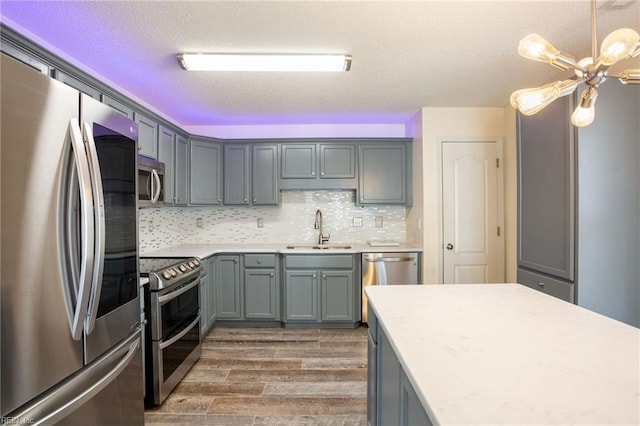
[99, 242]
[81, 281]
[158, 186]
[55, 406]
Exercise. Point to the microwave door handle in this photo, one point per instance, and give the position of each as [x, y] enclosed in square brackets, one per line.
[156, 178]
[81, 282]
[99, 242]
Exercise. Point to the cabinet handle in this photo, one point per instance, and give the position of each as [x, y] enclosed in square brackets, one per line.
[313, 173]
[255, 200]
[324, 277]
[313, 276]
[245, 200]
[139, 148]
[322, 174]
[235, 260]
[541, 284]
[271, 274]
[259, 261]
[219, 200]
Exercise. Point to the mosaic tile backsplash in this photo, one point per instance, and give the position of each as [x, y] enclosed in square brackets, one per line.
[290, 222]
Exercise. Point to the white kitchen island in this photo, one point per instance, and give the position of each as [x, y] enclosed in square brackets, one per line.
[492, 354]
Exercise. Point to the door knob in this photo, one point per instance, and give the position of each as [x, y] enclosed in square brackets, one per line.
[449, 246]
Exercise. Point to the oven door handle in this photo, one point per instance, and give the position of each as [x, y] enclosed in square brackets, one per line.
[169, 296]
[180, 335]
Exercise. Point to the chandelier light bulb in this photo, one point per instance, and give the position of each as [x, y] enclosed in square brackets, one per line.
[532, 100]
[537, 48]
[585, 113]
[618, 45]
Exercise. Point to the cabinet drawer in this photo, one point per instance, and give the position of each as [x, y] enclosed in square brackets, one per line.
[259, 260]
[319, 261]
[545, 284]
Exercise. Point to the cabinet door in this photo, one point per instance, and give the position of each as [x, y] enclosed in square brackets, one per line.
[265, 180]
[228, 287]
[411, 410]
[388, 377]
[546, 191]
[77, 84]
[260, 294]
[180, 190]
[337, 161]
[126, 111]
[210, 264]
[337, 295]
[382, 174]
[372, 370]
[236, 174]
[301, 290]
[298, 161]
[147, 136]
[205, 177]
[166, 154]
[204, 292]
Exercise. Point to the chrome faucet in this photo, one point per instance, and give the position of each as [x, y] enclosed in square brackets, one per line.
[318, 225]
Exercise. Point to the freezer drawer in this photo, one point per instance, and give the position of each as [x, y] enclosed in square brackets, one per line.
[388, 269]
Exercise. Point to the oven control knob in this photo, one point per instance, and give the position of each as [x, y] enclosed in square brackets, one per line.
[173, 272]
[166, 275]
[192, 264]
[183, 267]
[196, 262]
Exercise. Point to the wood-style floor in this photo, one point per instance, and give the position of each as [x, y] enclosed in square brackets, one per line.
[272, 376]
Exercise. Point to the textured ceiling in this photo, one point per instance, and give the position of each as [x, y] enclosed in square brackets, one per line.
[406, 55]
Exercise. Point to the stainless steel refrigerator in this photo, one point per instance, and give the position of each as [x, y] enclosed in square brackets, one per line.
[70, 300]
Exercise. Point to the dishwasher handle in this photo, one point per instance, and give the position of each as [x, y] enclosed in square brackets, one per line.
[375, 259]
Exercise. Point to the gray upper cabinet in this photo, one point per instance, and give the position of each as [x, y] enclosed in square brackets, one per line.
[77, 84]
[337, 161]
[251, 174]
[166, 154]
[181, 171]
[205, 172]
[236, 174]
[298, 161]
[123, 109]
[24, 57]
[384, 173]
[546, 191]
[147, 135]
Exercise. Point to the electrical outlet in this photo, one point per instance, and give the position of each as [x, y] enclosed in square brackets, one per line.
[199, 222]
[260, 222]
[378, 221]
[357, 222]
[150, 226]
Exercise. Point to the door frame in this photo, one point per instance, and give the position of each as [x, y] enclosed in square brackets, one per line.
[500, 198]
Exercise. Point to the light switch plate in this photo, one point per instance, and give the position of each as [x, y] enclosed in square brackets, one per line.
[357, 222]
[199, 222]
[260, 222]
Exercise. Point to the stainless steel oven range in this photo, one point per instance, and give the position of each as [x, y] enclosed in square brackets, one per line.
[172, 332]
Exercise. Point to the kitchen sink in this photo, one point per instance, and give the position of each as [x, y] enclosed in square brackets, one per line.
[319, 246]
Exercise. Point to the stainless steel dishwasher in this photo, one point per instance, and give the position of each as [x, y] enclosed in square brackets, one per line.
[388, 269]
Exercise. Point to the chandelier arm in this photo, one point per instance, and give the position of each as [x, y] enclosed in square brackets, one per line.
[594, 35]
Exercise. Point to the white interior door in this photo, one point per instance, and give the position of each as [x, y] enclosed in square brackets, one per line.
[471, 237]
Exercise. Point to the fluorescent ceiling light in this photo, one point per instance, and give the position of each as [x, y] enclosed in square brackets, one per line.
[263, 62]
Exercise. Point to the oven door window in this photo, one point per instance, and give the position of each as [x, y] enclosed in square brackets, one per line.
[175, 354]
[144, 184]
[179, 312]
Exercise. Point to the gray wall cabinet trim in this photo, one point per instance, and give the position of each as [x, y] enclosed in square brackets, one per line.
[77, 84]
[546, 191]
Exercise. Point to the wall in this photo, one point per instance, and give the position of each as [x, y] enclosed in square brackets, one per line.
[415, 213]
[439, 124]
[510, 158]
[290, 222]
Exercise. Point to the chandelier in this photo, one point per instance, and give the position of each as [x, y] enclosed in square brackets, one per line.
[620, 44]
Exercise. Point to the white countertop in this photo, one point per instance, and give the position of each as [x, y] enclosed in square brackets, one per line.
[491, 354]
[206, 250]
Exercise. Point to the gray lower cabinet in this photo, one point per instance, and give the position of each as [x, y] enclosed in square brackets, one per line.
[391, 399]
[261, 295]
[384, 173]
[211, 309]
[147, 135]
[251, 174]
[205, 172]
[320, 288]
[228, 287]
[204, 313]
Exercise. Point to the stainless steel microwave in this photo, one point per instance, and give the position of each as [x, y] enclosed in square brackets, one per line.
[150, 182]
